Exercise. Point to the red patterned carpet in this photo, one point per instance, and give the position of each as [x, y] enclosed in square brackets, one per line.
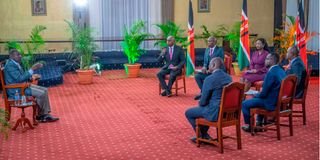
[118, 118]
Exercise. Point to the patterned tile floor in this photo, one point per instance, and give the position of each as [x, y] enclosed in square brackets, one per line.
[119, 118]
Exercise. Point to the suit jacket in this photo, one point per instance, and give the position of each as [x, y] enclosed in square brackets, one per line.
[211, 93]
[271, 87]
[218, 52]
[297, 68]
[13, 73]
[178, 58]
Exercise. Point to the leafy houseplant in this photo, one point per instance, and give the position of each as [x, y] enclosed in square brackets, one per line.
[171, 29]
[221, 31]
[33, 45]
[83, 48]
[4, 124]
[133, 37]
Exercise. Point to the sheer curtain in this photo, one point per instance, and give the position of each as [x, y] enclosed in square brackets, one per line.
[108, 18]
[313, 25]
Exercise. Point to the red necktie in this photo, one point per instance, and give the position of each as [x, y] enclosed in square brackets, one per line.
[170, 52]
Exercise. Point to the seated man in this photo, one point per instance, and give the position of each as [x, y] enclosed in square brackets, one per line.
[174, 60]
[209, 104]
[296, 67]
[13, 73]
[211, 52]
[268, 97]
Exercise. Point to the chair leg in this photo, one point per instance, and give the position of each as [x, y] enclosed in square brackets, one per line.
[252, 125]
[34, 108]
[220, 140]
[304, 113]
[197, 135]
[238, 135]
[159, 89]
[8, 112]
[184, 85]
[290, 125]
[278, 127]
[176, 87]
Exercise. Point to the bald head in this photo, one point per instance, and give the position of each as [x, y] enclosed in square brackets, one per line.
[170, 41]
[292, 52]
[216, 63]
[212, 41]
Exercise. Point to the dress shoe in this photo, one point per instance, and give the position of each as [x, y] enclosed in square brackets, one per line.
[246, 128]
[164, 93]
[169, 94]
[197, 97]
[50, 118]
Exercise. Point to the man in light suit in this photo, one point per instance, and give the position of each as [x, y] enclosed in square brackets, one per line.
[268, 97]
[297, 68]
[174, 58]
[13, 73]
[209, 104]
[211, 52]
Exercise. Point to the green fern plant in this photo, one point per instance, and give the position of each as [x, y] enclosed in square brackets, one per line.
[172, 29]
[221, 31]
[4, 124]
[133, 37]
[234, 36]
[33, 45]
[83, 44]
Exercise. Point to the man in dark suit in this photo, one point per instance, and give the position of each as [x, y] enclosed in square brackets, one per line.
[268, 97]
[296, 67]
[174, 58]
[211, 52]
[13, 73]
[209, 104]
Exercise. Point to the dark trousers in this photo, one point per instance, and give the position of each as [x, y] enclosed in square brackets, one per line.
[252, 103]
[173, 75]
[192, 114]
[200, 79]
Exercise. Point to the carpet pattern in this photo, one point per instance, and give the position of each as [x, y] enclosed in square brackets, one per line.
[119, 118]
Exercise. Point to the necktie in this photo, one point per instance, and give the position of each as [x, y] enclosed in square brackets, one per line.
[211, 51]
[170, 52]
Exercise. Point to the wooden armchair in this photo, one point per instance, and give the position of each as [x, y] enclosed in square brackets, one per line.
[31, 102]
[228, 62]
[176, 85]
[283, 107]
[229, 115]
[302, 101]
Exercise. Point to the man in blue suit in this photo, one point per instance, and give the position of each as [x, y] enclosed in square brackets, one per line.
[211, 52]
[174, 60]
[209, 104]
[13, 73]
[268, 97]
[297, 68]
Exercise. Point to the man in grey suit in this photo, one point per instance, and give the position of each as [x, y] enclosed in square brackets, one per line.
[297, 68]
[211, 52]
[174, 60]
[209, 104]
[13, 73]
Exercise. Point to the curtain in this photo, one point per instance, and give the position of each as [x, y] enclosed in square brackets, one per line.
[109, 17]
[313, 25]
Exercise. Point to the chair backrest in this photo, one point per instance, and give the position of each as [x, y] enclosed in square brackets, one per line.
[227, 61]
[287, 92]
[231, 100]
[306, 82]
[4, 90]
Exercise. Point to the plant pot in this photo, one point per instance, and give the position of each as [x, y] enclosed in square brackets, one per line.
[236, 68]
[132, 70]
[85, 76]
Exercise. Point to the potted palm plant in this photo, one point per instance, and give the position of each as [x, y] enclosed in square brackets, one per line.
[131, 45]
[33, 45]
[172, 29]
[4, 124]
[234, 38]
[83, 48]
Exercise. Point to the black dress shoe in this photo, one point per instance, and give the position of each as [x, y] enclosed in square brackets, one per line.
[164, 93]
[169, 94]
[246, 128]
[197, 97]
[194, 139]
[50, 118]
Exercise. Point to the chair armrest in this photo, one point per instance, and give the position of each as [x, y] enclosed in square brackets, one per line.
[18, 85]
